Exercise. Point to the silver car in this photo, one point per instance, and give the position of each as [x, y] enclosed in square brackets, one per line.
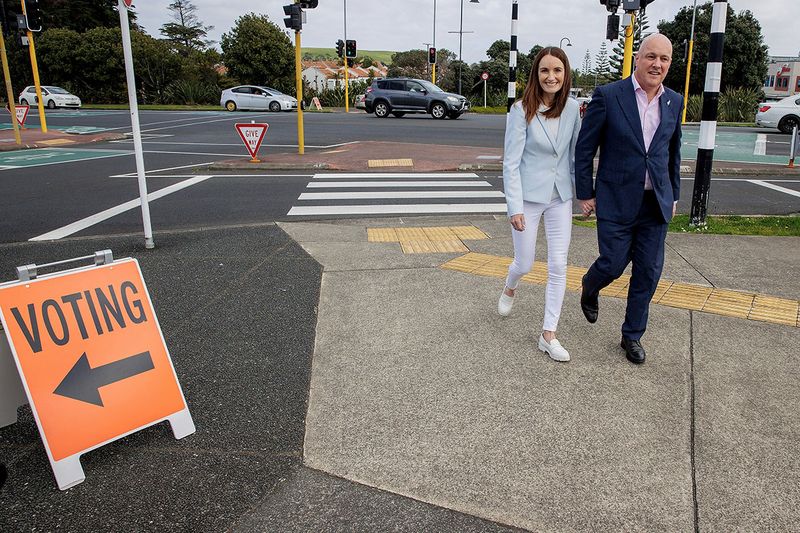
[256, 97]
[783, 114]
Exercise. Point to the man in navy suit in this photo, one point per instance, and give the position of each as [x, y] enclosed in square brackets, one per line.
[636, 124]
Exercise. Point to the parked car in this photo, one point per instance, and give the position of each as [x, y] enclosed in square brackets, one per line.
[255, 97]
[783, 114]
[360, 101]
[52, 97]
[399, 96]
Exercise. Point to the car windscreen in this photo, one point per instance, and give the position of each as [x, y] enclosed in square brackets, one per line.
[431, 88]
[275, 92]
[57, 90]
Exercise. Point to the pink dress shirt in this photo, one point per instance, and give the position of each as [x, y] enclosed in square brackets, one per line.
[650, 117]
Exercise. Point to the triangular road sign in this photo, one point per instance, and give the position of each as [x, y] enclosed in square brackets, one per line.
[252, 135]
[22, 113]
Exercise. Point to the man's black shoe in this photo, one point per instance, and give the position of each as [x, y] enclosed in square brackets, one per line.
[589, 304]
[3, 475]
[633, 350]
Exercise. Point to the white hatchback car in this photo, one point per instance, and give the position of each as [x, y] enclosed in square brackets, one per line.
[783, 114]
[256, 97]
[52, 97]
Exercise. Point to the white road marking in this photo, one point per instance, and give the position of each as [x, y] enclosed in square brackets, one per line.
[34, 156]
[87, 222]
[372, 175]
[395, 209]
[177, 125]
[133, 174]
[775, 187]
[398, 194]
[761, 145]
[193, 153]
[344, 184]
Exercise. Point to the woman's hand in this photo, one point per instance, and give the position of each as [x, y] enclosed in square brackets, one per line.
[518, 222]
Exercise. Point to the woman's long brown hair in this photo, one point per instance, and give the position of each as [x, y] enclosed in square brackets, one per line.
[533, 96]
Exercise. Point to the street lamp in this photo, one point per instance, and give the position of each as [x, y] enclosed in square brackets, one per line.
[461, 33]
[569, 43]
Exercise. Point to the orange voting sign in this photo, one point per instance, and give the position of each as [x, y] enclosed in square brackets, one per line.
[22, 113]
[252, 135]
[92, 360]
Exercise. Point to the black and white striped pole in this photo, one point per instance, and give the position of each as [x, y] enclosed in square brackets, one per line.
[512, 57]
[708, 120]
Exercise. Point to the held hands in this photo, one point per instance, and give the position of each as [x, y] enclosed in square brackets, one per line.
[518, 222]
[587, 206]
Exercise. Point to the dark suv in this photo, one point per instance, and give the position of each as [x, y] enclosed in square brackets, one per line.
[399, 96]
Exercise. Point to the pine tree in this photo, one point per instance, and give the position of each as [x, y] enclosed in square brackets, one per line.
[187, 31]
[586, 67]
[618, 55]
[602, 67]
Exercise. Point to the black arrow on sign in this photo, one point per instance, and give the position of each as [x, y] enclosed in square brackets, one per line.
[82, 382]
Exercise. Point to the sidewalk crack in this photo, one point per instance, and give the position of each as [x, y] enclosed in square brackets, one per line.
[689, 263]
[692, 428]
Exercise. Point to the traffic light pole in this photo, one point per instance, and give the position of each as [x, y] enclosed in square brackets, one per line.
[35, 68]
[689, 66]
[298, 79]
[627, 61]
[7, 74]
[346, 67]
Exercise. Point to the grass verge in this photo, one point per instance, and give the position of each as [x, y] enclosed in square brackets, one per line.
[767, 226]
[489, 110]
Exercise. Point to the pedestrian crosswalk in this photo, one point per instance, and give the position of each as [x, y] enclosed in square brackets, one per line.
[398, 193]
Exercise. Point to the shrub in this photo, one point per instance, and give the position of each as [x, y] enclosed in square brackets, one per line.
[191, 92]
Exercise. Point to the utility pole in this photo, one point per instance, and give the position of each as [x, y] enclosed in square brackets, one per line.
[689, 65]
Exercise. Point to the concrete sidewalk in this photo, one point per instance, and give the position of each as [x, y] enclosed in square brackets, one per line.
[32, 137]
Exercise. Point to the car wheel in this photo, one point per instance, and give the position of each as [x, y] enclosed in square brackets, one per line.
[398, 114]
[51, 104]
[438, 110]
[23, 102]
[381, 109]
[230, 105]
[274, 107]
[787, 123]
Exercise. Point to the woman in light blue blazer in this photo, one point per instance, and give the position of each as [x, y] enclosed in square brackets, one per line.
[539, 182]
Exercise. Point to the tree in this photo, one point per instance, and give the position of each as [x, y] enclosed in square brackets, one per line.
[409, 64]
[618, 55]
[256, 51]
[187, 32]
[602, 67]
[745, 57]
[77, 15]
[586, 66]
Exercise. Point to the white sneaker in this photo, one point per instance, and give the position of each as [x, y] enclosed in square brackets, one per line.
[553, 349]
[505, 303]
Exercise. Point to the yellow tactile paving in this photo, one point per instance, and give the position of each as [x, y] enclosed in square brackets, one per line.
[777, 310]
[681, 295]
[729, 303]
[468, 233]
[373, 163]
[418, 247]
[686, 296]
[440, 234]
[382, 235]
[450, 246]
[411, 234]
[56, 142]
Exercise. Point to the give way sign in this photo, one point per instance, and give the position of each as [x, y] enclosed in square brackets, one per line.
[22, 113]
[252, 134]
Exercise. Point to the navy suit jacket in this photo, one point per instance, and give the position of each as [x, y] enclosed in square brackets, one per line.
[612, 124]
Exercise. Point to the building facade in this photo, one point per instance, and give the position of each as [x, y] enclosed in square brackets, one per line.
[321, 75]
[783, 77]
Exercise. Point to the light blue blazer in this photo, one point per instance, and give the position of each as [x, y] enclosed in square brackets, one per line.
[533, 163]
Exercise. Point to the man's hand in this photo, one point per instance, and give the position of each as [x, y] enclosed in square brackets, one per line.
[518, 222]
[587, 206]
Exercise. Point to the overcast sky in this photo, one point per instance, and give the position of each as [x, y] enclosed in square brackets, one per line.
[405, 24]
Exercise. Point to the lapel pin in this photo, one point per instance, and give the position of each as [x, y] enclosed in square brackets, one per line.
[668, 102]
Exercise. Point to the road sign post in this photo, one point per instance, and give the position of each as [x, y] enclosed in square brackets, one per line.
[793, 146]
[91, 358]
[252, 134]
[484, 77]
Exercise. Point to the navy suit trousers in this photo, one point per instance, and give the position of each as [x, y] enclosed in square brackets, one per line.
[640, 242]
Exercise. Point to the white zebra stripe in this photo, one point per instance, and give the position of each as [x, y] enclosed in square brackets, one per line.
[713, 77]
[514, 24]
[512, 58]
[708, 133]
[512, 89]
[390, 209]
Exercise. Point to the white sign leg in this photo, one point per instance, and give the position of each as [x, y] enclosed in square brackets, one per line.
[182, 424]
[68, 472]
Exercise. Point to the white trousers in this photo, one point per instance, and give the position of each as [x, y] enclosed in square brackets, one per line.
[558, 229]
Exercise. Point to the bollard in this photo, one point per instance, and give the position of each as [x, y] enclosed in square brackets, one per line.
[793, 147]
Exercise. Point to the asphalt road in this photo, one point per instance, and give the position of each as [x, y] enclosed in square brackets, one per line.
[92, 189]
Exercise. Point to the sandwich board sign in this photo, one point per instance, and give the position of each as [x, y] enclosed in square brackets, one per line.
[252, 134]
[22, 113]
[91, 359]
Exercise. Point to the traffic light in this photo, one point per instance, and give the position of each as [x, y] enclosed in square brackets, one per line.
[350, 48]
[33, 15]
[294, 19]
[611, 5]
[431, 56]
[612, 27]
[340, 48]
[309, 4]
